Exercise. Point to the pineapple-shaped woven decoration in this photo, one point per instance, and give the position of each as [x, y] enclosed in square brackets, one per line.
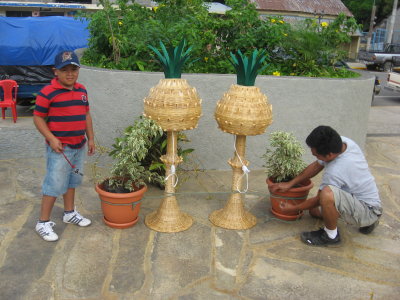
[243, 109]
[173, 103]
[175, 106]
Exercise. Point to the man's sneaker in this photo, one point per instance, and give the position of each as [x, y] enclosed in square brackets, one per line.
[45, 230]
[368, 229]
[76, 218]
[319, 238]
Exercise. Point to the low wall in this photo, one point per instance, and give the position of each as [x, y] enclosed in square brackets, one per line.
[299, 105]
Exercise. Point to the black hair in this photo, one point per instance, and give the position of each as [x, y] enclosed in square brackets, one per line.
[325, 140]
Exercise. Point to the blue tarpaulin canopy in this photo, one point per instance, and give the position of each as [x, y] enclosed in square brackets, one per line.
[35, 41]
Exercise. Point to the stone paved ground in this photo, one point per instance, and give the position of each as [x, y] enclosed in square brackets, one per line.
[204, 262]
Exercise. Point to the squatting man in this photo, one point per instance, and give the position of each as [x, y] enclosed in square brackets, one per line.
[348, 190]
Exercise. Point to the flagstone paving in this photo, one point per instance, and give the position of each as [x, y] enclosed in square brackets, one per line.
[267, 261]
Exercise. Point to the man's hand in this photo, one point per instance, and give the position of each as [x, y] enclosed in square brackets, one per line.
[281, 187]
[91, 147]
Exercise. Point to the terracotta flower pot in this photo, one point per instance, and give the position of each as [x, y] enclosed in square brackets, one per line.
[294, 196]
[120, 210]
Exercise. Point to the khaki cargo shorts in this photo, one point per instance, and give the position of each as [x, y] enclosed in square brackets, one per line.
[354, 211]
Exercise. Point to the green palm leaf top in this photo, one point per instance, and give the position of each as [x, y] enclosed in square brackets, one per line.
[172, 59]
[247, 68]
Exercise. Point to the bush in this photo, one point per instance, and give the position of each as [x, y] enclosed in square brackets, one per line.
[120, 38]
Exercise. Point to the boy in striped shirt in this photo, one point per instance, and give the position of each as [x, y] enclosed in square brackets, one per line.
[62, 116]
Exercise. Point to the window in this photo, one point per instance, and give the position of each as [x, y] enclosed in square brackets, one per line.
[19, 13]
[74, 1]
[51, 13]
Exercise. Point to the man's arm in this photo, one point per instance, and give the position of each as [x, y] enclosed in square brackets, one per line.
[41, 125]
[310, 203]
[309, 172]
[90, 134]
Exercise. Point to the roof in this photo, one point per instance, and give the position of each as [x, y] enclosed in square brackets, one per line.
[327, 7]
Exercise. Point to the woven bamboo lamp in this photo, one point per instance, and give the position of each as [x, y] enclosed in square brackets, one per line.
[241, 111]
[174, 105]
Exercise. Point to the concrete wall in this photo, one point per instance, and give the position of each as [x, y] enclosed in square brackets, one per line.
[299, 105]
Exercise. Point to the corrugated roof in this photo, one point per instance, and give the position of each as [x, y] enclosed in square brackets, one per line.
[327, 7]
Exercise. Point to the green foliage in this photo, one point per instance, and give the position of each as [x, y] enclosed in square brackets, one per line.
[137, 155]
[313, 48]
[120, 38]
[246, 68]
[130, 150]
[172, 59]
[152, 161]
[284, 161]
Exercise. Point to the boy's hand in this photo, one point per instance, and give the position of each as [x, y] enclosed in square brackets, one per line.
[56, 145]
[91, 147]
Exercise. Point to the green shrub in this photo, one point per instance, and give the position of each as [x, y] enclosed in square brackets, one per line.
[120, 37]
[284, 159]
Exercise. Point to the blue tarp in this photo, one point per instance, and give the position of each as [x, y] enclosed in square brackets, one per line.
[35, 41]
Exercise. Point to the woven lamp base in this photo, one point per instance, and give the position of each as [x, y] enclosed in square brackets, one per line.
[233, 216]
[168, 218]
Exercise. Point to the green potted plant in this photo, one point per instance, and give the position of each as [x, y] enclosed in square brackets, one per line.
[122, 191]
[283, 161]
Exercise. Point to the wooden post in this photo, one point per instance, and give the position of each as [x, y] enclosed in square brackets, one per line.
[234, 215]
[168, 217]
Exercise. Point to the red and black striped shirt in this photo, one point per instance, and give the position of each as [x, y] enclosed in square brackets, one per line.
[65, 111]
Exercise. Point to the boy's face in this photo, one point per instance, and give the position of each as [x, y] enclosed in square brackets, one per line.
[67, 75]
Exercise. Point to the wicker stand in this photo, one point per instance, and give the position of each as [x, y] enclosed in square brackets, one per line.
[234, 215]
[242, 111]
[175, 106]
[168, 217]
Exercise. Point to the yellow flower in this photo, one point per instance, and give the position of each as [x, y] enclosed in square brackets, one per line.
[280, 21]
[157, 7]
[273, 20]
[324, 24]
[120, 23]
[294, 65]
[276, 73]
[206, 59]
[285, 34]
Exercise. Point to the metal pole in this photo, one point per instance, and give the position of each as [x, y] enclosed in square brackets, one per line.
[371, 26]
[389, 35]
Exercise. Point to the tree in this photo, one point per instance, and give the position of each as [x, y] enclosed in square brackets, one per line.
[362, 10]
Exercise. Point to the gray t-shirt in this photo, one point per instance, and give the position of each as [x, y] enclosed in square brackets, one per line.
[349, 171]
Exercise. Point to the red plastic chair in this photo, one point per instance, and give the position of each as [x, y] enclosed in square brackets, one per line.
[10, 90]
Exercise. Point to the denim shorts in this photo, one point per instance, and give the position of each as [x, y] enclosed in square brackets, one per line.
[60, 176]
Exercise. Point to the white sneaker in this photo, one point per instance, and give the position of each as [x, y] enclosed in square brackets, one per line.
[45, 230]
[76, 218]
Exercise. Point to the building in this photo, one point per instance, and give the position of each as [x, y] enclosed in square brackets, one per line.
[380, 32]
[296, 10]
[42, 8]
